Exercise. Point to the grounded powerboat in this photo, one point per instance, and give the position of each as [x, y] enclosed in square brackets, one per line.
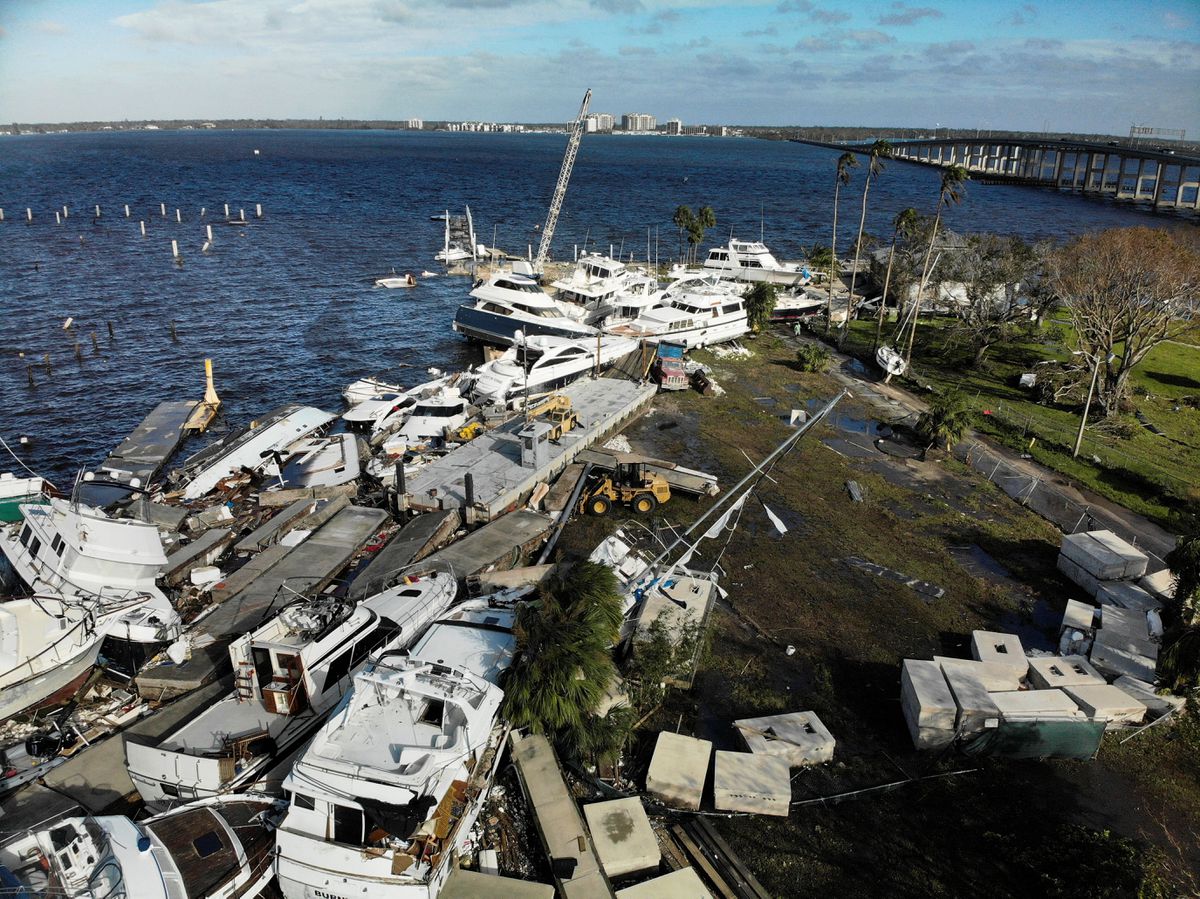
[593, 284]
[15, 491]
[507, 303]
[367, 388]
[544, 363]
[384, 796]
[698, 312]
[744, 260]
[320, 462]
[289, 673]
[433, 416]
[208, 850]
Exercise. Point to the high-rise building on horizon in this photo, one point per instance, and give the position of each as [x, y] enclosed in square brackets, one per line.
[638, 121]
[674, 126]
[598, 122]
[416, 124]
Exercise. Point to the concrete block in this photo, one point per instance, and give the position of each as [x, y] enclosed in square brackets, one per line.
[975, 706]
[1079, 616]
[1159, 584]
[992, 675]
[746, 782]
[682, 884]
[678, 770]
[1143, 692]
[1104, 555]
[1052, 672]
[928, 705]
[1126, 595]
[1076, 575]
[624, 840]
[1113, 661]
[1105, 703]
[1003, 649]
[1027, 704]
[275, 527]
[1129, 638]
[798, 737]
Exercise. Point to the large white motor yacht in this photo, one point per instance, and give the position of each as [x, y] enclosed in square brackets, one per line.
[593, 284]
[744, 260]
[288, 674]
[698, 311]
[433, 416]
[507, 303]
[544, 363]
[385, 794]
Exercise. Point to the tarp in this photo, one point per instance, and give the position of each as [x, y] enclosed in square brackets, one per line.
[1038, 739]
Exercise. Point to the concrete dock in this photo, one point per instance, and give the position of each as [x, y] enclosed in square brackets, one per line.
[499, 545]
[146, 450]
[560, 826]
[272, 578]
[494, 459]
[416, 540]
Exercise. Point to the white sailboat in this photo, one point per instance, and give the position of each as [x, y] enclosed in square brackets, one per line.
[387, 791]
[289, 673]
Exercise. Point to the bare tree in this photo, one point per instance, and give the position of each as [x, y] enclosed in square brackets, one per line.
[950, 192]
[880, 150]
[1127, 290]
[994, 272]
[845, 163]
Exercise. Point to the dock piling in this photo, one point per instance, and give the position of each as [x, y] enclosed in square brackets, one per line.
[241, 215]
[111, 335]
[28, 214]
[29, 375]
[95, 342]
[66, 212]
[208, 231]
[178, 217]
[226, 210]
[126, 210]
[175, 248]
[57, 218]
[97, 210]
[162, 207]
[1, 215]
[257, 210]
[143, 224]
[78, 352]
[174, 335]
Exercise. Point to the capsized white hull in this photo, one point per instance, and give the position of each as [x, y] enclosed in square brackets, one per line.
[20, 694]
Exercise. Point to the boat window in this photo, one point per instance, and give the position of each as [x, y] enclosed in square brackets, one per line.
[752, 263]
[369, 644]
[517, 285]
[432, 713]
[338, 669]
[347, 825]
[25, 535]
[58, 545]
[299, 800]
[439, 411]
[208, 844]
[169, 790]
[539, 313]
[730, 308]
[497, 308]
[35, 546]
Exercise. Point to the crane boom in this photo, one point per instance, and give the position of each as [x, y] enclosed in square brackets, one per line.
[560, 189]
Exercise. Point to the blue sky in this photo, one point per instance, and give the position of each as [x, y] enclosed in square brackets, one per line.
[1072, 65]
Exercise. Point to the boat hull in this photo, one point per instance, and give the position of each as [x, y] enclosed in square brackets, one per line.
[48, 686]
[500, 330]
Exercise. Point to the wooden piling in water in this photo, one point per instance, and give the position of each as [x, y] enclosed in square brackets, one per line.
[126, 210]
[178, 218]
[175, 248]
[97, 210]
[28, 214]
[95, 342]
[78, 352]
[257, 211]
[66, 212]
[57, 218]
[111, 335]
[163, 209]
[143, 224]
[174, 335]
[226, 210]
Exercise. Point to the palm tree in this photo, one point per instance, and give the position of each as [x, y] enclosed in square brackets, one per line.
[705, 219]
[879, 151]
[564, 641]
[845, 163]
[760, 303]
[903, 224]
[947, 419]
[954, 178]
[683, 220]
[1184, 562]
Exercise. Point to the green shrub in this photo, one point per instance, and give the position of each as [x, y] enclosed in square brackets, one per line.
[811, 357]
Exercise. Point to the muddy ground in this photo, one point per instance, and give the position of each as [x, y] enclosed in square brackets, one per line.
[1124, 823]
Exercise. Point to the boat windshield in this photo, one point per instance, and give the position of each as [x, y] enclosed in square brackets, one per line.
[548, 312]
[522, 286]
[438, 411]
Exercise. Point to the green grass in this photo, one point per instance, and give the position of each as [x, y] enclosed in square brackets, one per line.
[1152, 475]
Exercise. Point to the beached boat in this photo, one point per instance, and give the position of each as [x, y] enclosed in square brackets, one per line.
[80, 579]
[433, 417]
[320, 462]
[208, 850]
[593, 284]
[366, 388]
[250, 449]
[15, 491]
[543, 363]
[507, 303]
[697, 312]
[744, 260]
[890, 360]
[289, 673]
[385, 795]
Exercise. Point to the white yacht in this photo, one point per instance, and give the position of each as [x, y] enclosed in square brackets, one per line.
[249, 449]
[744, 260]
[384, 796]
[209, 850]
[459, 242]
[698, 312]
[288, 674]
[544, 363]
[319, 462]
[433, 416]
[593, 284]
[641, 293]
[507, 303]
[81, 579]
[367, 388]
[15, 491]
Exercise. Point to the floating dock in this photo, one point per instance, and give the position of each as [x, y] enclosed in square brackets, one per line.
[494, 459]
[269, 581]
[146, 450]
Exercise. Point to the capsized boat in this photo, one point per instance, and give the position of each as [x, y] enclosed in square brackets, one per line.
[543, 363]
[289, 673]
[207, 850]
[383, 798]
[320, 462]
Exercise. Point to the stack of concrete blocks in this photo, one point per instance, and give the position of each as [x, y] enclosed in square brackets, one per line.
[1040, 705]
[1102, 702]
[929, 706]
[624, 840]
[1156, 706]
[682, 884]
[1124, 644]
[678, 770]
[975, 709]
[799, 737]
[754, 783]
[1095, 557]
[1059, 672]
[1000, 649]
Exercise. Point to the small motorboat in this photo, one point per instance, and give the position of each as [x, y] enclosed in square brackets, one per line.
[890, 360]
[367, 388]
[393, 281]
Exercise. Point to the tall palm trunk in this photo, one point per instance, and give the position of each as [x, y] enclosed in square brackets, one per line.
[862, 221]
[887, 280]
[833, 266]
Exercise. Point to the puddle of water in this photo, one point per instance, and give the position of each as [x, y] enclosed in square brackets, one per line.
[844, 421]
[981, 563]
[1036, 623]
[858, 367]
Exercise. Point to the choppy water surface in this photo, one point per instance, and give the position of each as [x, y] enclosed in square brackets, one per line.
[285, 305]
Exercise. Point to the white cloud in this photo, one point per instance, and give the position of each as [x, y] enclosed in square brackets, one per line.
[48, 27]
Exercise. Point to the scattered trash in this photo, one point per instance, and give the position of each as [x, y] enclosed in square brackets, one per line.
[855, 491]
[923, 587]
[618, 444]
[731, 351]
[791, 650]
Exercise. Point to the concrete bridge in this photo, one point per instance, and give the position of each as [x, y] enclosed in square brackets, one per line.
[1160, 178]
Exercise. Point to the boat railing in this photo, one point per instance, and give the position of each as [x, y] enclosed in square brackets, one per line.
[87, 624]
